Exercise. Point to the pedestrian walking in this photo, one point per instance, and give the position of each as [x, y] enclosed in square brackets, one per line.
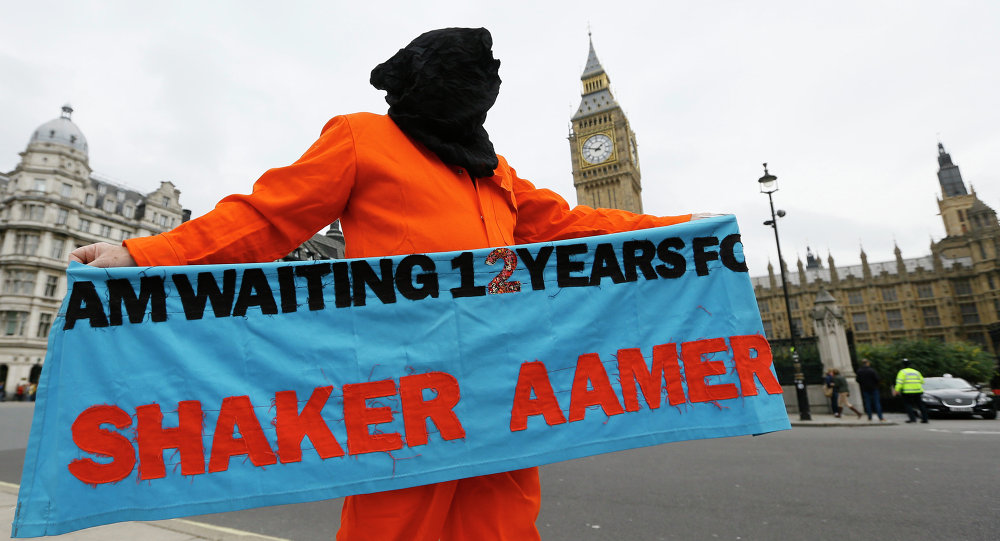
[868, 380]
[842, 394]
[910, 385]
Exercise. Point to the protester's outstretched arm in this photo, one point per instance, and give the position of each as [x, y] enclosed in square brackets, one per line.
[103, 254]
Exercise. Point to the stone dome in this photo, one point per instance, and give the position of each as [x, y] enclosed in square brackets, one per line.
[61, 130]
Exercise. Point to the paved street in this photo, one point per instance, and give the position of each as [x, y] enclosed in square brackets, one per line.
[905, 482]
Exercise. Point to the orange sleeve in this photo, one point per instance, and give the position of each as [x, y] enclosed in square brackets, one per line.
[286, 207]
[542, 215]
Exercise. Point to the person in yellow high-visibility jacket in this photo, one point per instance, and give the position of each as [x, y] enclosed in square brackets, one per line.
[910, 384]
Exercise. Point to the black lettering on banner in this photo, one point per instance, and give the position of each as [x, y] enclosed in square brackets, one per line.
[254, 291]
[467, 276]
[566, 265]
[605, 265]
[638, 255]
[286, 289]
[535, 265]
[314, 283]
[341, 284]
[675, 262]
[701, 256]
[728, 253]
[151, 293]
[381, 286]
[84, 303]
[428, 280]
[208, 291]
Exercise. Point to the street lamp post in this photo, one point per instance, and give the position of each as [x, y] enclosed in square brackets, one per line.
[769, 185]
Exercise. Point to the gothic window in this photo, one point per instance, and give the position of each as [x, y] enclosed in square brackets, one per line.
[764, 307]
[894, 318]
[931, 317]
[962, 286]
[925, 290]
[794, 302]
[767, 328]
[44, 324]
[855, 297]
[51, 285]
[970, 315]
[860, 321]
[889, 293]
[26, 243]
[12, 322]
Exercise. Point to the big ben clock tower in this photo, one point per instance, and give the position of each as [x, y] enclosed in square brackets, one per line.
[602, 146]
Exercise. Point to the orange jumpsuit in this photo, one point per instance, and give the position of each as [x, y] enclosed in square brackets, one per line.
[394, 197]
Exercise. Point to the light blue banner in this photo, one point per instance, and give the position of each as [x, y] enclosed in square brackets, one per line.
[172, 391]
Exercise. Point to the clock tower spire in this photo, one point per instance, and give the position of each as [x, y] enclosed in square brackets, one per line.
[602, 145]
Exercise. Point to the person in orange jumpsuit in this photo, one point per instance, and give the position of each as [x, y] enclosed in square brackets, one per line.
[423, 178]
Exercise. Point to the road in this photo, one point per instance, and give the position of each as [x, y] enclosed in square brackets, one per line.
[905, 482]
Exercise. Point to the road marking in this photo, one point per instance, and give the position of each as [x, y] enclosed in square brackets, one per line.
[980, 432]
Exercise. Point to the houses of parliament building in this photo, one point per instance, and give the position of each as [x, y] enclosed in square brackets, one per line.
[953, 293]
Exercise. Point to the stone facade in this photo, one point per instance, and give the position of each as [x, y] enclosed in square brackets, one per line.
[602, 146]
[51, 203]
[951, 294]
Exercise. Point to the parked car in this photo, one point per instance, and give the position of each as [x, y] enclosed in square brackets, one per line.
[948, 395]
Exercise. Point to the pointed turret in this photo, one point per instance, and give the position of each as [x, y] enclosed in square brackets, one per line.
[949, 175]
[596, 94]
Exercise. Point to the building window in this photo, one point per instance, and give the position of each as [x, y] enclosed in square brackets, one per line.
[40, 185]
[34, 213]
[19, 282]
[128, 211]
[970, 314]
[67, 190]
[26, 243]
[894, 318]
[767, 328]
[51, 285]
[925, 290]
[860, 321]
[797, 326]
[794, 302]
[102, 189]
[109, 205]
[57, 248]
[12, 322]
[764, 307]
[44, 324]
[931, 317]
[855, 297]
[889, 294]
[89, 200]
[962, 287]
[61, 216]
[166, 201]
[120, 195]
[164, 220]
[84, 225]
[106, 230]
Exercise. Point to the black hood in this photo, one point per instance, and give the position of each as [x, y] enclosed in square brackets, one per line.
[439, 89]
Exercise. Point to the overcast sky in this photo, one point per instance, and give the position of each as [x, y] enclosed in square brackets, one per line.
[845, 100]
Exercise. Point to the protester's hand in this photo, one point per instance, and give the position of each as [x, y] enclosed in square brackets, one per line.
[103, 254]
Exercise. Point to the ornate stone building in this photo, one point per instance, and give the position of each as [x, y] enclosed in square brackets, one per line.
[51, 203]
[951, 294]
[602, 146]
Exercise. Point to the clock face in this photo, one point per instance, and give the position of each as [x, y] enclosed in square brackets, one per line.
[597, 148]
